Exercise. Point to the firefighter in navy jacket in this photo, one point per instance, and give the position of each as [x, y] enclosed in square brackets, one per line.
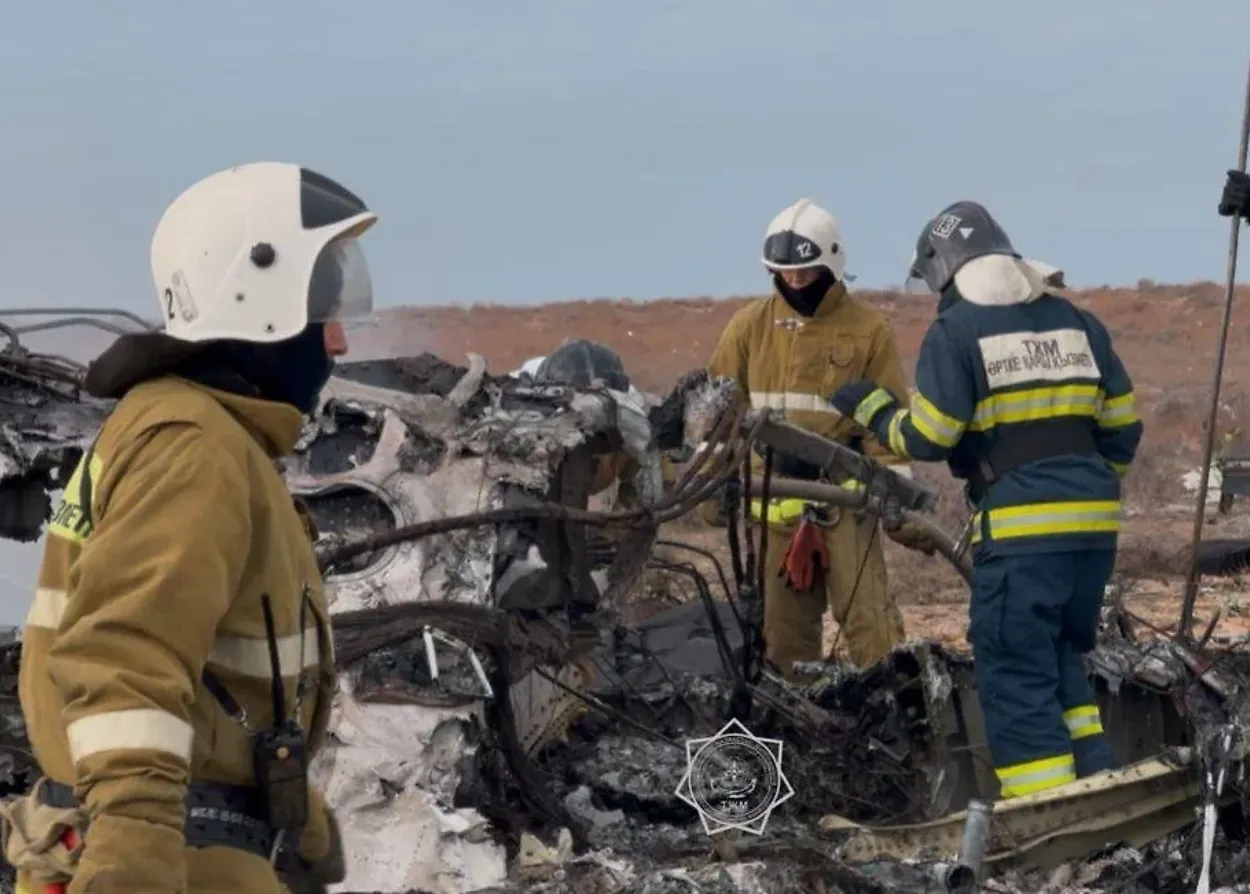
[1022, 394]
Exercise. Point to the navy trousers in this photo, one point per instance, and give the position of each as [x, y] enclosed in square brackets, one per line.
[1032, 619]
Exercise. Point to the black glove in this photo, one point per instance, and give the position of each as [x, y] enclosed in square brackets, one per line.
[787, 466]
[1236, 198]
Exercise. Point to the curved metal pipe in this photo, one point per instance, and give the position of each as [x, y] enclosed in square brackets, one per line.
[85, 311]
[835, 495]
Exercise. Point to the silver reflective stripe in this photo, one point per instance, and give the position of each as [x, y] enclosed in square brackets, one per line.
[135, 729]
[1055, 772]
[1029, 405]
[250, 656]
[47, 608]
[241, 654]
[792, 400]
[1083, 722]
[1012, 522]
[932, 424]
[1118, 411]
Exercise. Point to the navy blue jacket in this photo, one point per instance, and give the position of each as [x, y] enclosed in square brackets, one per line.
[983, 372]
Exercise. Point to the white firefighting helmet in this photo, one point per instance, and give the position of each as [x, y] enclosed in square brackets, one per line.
[257, 252]
[805, 235]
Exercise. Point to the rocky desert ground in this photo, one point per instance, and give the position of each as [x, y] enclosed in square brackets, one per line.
[1166, 335]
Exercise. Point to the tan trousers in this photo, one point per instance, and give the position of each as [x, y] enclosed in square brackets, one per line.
[866, 613]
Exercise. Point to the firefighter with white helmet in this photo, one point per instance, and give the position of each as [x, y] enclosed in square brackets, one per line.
[177, 666]
[789, 352]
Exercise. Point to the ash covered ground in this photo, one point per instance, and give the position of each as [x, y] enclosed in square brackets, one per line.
[857, 752]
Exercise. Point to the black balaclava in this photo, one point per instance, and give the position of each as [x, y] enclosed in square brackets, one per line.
[292, 371]
[806, 300]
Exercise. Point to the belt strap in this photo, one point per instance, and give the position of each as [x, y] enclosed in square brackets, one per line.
[218, 815]
[1029, 442]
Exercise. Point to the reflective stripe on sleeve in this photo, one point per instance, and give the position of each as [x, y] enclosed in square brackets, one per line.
[46, 609]
[250, 656]
[1036, 776]
[1083, 721]
[894, 434]
[932, 424]
[871, 405]
[134, 729]
[1117, 412]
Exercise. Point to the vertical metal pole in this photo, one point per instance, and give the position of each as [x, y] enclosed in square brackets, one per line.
[1184, 632]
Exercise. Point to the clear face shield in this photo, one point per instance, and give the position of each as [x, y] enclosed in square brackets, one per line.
[340, 288]
[915, 283]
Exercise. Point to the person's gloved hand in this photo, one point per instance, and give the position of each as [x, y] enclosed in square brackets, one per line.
[1236, 198]
[861, 400]
[913, 536]
[806, 556]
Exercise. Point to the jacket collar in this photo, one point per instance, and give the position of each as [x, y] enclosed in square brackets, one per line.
[275, 426]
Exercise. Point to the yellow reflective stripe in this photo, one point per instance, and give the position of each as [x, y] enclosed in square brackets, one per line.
[792, 400]
[932, 423]
[976, 528]
[1083, 721]
[1072, 517]
[134, 729]
[250, 656]
[69, 521]
[1036, 776]
[1033, 404]
[1121, 469]
[1118, 411]
[785, 511]
[47, 608]
[894, 433]
[871, 405]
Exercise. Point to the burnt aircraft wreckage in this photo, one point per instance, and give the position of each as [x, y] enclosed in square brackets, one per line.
[501, 726]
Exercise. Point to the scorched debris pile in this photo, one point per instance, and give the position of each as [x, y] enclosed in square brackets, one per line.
[501, 726]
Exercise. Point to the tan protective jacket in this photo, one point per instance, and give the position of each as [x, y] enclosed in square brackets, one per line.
[788, 362]
[190, 522]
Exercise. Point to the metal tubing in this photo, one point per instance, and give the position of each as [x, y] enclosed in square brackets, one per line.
[1184, 630]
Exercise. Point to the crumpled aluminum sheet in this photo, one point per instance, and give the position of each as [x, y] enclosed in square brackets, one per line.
[390, 769]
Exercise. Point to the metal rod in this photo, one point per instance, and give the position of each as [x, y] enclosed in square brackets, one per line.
[1208, 448]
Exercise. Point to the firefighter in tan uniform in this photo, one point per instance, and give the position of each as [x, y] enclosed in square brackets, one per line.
[790, 352]
[179, 583]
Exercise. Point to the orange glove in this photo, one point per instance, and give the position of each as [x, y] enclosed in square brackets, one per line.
[807, 550]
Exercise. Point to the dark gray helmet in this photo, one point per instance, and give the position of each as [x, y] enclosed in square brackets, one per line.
[963, 231]
[578, 363]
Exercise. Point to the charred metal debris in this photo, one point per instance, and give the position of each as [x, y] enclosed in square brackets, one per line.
[503, 724]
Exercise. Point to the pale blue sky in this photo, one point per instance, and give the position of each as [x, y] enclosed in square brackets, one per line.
[550, 149]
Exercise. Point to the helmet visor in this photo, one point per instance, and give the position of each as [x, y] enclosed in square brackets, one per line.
[915, 283]
[788, 250]
[340, 287]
